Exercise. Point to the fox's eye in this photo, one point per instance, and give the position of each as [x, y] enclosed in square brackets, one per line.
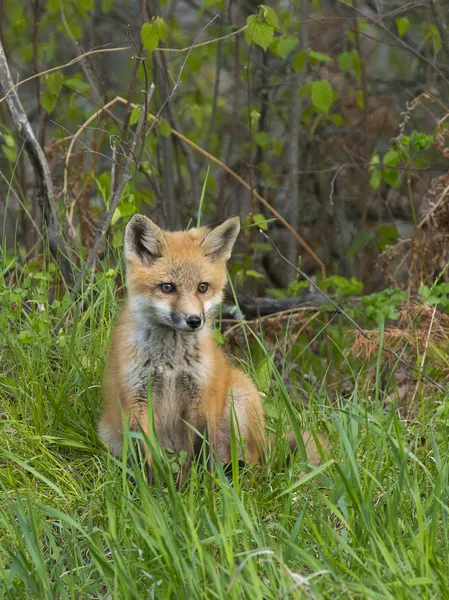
[203, 287]
[168, 288]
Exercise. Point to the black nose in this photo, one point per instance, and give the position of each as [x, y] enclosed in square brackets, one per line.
[194, 321]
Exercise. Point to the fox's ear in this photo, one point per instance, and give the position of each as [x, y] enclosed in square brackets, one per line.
[144, 240]
[219, 241]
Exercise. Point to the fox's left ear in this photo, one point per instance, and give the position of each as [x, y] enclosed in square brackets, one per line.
[219, 241]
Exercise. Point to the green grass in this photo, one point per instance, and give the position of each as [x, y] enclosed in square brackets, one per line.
[371, 522]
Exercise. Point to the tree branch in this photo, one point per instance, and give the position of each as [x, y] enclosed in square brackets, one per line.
[44, 183]
[125, 179]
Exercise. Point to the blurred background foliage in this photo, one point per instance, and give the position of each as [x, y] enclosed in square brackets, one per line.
[328, 109]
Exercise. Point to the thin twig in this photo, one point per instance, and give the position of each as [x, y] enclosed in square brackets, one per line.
[76, 136]
[338, 308]
[120, 49]
[125, 179]
[44, 183]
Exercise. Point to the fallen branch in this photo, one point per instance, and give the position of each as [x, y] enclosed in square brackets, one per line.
[44, 183]
[338, 308]
[283, 314]
[261, 307]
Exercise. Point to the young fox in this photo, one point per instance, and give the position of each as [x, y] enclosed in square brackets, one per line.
[175, 281]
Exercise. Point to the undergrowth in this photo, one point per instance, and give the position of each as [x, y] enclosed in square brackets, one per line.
[370, 522]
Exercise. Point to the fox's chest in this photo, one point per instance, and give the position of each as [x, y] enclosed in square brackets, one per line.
[174, 384]
[175, 398]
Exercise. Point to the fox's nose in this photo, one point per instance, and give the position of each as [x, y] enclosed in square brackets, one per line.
[194, 321]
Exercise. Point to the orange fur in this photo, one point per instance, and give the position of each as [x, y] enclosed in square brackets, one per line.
[192, 379]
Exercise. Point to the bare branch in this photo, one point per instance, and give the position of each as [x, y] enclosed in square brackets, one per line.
[8, 90]
[44, 183]
[127, 176]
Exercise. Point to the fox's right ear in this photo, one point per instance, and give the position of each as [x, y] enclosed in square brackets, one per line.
[144, 240]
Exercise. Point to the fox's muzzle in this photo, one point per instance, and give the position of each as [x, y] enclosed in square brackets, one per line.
[187, 322]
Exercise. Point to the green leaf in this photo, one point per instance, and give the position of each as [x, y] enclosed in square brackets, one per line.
[336, 119]
[263, 374]
[9, 153]
[262, 139]
[269, 16]
[362, 238]
[26, 336]
[106, 6]
[402, 24]
[391, 158]
[77, 84]
[152, 32]
[50, 95]
[299, 61]
[197, 114]
[345, 61]
[375, 172]
[376, 178]
[164, 127]
[350, 60]
[285, 46]
[254, 274]
[260, 221]
[9, 140]
[47, 101]
[54, 82]
[363, 25]
[360, 99]
[219, 337]
[322, 95]
[161, 27]
[254, 117]
[134, 117]
[261, 33]
[386, 236]
[319, 56]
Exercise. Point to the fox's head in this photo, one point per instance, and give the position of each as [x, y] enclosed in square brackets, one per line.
[176, 279]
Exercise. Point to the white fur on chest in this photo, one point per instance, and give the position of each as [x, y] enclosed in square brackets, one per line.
[178, 371]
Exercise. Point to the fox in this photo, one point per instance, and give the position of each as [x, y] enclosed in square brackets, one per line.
[175, 282]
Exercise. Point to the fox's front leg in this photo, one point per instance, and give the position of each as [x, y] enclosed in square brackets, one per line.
[244, 414]
[117, 418]
[139, 422]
